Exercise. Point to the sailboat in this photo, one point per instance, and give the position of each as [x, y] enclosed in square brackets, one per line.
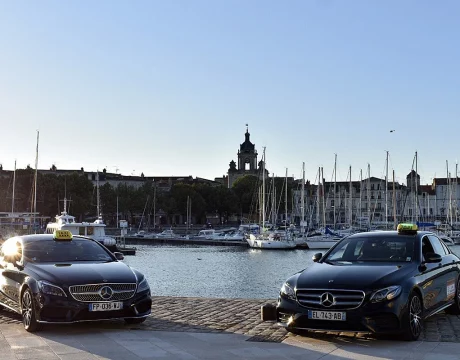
[269, 239]
[326, 239]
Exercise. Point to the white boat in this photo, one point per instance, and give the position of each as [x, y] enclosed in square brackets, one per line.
[208, 234]
[144, 235]
[167, 234]
[321, 242]
[95, 230]
[270, 241]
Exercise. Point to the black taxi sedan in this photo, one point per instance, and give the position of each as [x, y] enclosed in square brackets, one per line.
[60, 278]
[379, 282]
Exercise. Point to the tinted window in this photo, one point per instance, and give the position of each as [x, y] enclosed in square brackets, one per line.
[65, 251]
[437, 246]
[374, 249]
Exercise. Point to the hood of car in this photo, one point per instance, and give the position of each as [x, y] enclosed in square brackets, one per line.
[354, 276]
[83, 273]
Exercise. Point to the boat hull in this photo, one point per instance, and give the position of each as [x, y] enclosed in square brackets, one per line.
[270, 244]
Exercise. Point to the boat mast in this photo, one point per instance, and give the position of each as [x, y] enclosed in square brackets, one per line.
[456, 196]
[369, 195]
[335, 187]
[35, 180]
[302, 200]
[273, 200]
[97, 192]
[263, 190]
[416, 188]
[351, 201]
[324, 198]
[394, 202]
[285, 204]
[318, 199]
[386, 193]
[14, 184]
[154, 206]
[360, 196]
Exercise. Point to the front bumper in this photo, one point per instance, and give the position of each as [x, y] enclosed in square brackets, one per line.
[382, 318]
[54, 309]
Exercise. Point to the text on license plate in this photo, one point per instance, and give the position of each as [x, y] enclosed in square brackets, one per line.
[106, 306]
[327, 315]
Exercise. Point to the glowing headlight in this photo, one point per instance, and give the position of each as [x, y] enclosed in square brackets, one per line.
[143, 285]
[50, 289]
[388, 293]
[287, 291]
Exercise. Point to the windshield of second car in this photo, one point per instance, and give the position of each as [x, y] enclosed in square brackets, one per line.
[65, 251]
[373, 249]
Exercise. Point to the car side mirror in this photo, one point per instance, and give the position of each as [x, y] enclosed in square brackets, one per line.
[316, 257]
[432, 258]
[119, 255]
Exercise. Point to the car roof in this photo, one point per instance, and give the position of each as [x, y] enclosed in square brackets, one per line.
[385, 233]
[44, 237]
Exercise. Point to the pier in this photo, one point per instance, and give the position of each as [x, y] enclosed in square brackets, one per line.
[204, 328]
[131, 240]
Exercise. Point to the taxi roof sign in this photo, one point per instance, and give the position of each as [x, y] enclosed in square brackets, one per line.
[407, 228]
[62, 235]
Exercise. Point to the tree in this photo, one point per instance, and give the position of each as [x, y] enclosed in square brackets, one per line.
[245, 189]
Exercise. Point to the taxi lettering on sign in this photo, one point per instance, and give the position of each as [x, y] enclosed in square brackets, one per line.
[62, 235]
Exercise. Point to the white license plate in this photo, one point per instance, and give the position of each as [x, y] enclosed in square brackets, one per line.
[109, 306]
[327, 315]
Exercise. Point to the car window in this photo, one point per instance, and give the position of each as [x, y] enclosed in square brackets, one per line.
[374, 249]
[426, 247]
[65, 251]
[437, 246]
[446, 249]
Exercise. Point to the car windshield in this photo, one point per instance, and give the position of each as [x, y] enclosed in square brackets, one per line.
[373, 249]
[65, 251]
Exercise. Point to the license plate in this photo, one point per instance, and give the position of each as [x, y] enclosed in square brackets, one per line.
[109, 306]
[327, 315]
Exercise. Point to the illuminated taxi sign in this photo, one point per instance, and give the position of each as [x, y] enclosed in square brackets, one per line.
[407, 228]
[62, 235]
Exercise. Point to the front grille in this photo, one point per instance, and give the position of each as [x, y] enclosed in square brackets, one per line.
[330, 299]
[92, 292]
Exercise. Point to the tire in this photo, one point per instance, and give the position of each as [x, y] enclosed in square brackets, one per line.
[413, 320]
[454, 309]
[132, 321]
[29, 314]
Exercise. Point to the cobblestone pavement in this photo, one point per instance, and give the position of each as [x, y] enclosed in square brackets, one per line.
[241, 316]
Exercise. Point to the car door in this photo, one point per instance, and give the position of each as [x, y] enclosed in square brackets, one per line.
[450, 274]
[436, 276]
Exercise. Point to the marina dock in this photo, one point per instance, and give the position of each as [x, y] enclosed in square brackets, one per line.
[182, 241]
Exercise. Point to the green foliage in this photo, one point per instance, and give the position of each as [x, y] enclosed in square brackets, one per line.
[206, 200]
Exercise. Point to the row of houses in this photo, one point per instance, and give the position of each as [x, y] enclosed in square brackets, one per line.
[370, 200]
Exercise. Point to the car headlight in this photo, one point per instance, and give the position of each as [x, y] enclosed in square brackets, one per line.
[50, 289]
[143, 285]
[287, 291]
[388, 293]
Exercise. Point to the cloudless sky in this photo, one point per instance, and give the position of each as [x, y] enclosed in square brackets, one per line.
[166, 87]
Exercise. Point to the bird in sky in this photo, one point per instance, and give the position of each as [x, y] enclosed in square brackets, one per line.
[392, 130]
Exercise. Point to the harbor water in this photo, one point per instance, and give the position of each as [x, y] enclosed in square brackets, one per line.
[217, 271]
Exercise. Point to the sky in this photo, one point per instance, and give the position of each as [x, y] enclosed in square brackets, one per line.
[166, 87]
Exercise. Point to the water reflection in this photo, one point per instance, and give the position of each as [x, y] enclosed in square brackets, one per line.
[214, 271]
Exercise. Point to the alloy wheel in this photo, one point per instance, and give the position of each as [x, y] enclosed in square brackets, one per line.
[27, 309]
[415, 316]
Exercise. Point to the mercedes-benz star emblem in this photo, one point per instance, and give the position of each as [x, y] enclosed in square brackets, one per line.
[327, 299]
[106, 292]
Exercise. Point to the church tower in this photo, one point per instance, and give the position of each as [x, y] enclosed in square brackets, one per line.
[247, 155]
[247, 161]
